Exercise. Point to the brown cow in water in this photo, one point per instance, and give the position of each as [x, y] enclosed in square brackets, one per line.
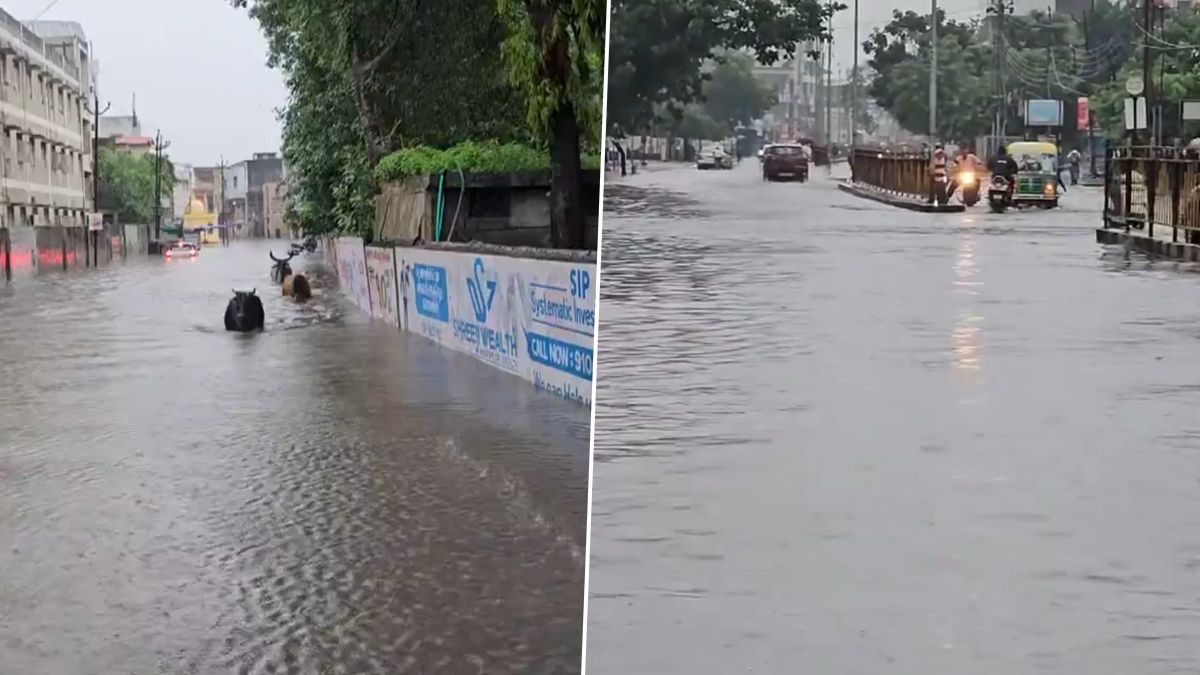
[297, 286]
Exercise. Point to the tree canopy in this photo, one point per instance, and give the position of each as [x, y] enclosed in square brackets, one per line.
[1041, 55]
[657, 48]
[129, 183]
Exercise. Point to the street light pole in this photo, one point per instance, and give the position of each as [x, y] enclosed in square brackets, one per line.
[933, 69]
[95, 111]
[159, 146]
[854, 86]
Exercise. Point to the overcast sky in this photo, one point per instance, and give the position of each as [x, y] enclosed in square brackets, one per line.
[198, 68]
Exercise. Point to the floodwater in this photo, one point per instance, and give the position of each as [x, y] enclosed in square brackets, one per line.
[329, 496]
[835, 437]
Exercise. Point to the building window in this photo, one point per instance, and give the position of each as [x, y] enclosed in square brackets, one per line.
[235, 182]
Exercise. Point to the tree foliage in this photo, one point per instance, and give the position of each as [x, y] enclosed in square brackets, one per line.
[129, 182]
[553, 53]
[369, 76]
[733, 95]
[1180, 78]
[657, 48]
[1042, 56]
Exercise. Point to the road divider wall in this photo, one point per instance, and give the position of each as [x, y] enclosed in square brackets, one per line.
[528, 312]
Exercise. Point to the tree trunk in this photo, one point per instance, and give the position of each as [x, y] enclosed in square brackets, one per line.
[567, 222]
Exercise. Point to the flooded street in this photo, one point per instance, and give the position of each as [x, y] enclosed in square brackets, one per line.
[837, 437]
[330, 496]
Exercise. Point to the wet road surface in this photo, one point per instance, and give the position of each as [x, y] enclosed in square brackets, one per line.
[329, 496]
[835, 437]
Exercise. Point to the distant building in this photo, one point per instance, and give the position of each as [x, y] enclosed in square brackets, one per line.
[46, 75]
[112, 126]
[275, 196]
[206, 186]
[130, 145]
[181, 194]
[264, 168]
[233, 191]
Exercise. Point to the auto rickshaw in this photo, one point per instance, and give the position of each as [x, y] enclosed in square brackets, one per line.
[1037, 174]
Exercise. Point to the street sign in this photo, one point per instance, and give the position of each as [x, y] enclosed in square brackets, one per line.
[1135, 113]
[1082, 113]
[1191, 110]
[1135, 85]
[95, 222]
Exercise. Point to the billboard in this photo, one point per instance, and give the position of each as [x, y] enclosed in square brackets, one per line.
[1082, 113]
[1043, 113]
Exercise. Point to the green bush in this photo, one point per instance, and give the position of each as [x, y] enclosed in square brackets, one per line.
[469, 156]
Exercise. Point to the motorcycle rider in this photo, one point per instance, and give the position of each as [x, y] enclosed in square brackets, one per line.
[1002, 164]
[966, 161]
[937, 170]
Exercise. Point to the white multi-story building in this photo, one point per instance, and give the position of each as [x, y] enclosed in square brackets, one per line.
[47, 75]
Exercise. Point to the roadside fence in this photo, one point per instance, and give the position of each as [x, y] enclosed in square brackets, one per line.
[904, 174]
[1149, 186]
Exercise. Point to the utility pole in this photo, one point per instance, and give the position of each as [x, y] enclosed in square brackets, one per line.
[220, 205]
[829, 96]
[95, 111]
[159, 146]
[933, 69]
[1087, 46]
[854, 90]
[1147, 60]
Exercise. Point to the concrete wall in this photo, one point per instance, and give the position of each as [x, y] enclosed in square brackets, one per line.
[527, 312]
[505, 210]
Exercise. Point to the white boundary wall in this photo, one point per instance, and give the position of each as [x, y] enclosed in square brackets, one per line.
[532, 318]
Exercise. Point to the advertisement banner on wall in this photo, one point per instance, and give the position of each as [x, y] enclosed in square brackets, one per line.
[352, 271]
[532, 318]
[381, 275]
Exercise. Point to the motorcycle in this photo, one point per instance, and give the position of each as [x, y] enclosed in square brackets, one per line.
[1000, 194]
[968, 182]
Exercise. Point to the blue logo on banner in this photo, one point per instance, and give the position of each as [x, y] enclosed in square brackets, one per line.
[475, 287]
[432, 296]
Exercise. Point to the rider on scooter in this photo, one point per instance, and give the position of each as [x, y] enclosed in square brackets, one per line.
[1004, 165]
[965, 162]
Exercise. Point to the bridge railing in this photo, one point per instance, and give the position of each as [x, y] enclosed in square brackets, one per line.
[904, 174]
[1153, 186]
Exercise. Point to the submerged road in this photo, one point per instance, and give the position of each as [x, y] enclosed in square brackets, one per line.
[329, 496]
[837, 437]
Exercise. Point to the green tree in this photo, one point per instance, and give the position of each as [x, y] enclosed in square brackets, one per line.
[370, 76]
[733, 95]
[1178, 48]
[657, 47]
[554, 55]
[128, 180]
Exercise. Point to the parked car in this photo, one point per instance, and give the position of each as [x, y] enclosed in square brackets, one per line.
[785, 161]
[715, 158]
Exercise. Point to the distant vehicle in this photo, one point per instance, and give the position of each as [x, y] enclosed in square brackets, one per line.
[182, 249]
[785, 161]
[714, 159]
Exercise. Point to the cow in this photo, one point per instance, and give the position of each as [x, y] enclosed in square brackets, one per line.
[244, 313]
[288, 283]
[281, 269]
[301, 290]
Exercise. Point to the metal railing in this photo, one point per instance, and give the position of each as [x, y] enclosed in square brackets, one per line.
[904, 174]
[1153, 186]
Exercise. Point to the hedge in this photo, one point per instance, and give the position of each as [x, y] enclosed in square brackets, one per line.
[487, 157]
